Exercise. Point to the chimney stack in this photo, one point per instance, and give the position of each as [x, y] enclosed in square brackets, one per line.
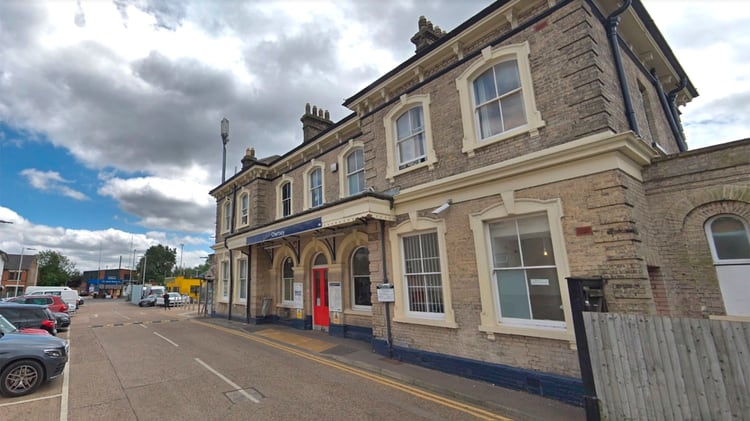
[426, 35]
[314, 121]
[249, 159]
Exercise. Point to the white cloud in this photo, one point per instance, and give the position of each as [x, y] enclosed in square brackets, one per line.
[51, 181]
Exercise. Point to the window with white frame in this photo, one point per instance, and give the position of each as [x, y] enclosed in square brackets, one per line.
[227, 215]
[287, 281]
[316, 187]
[729, 239]
[410, 147]
[409, 136]
[497, 97]
[224, 280]
[286, 199]
[424, 287]
[524, 272]
[242, 276]
[361, 294]
[355, 171]
[498, 100]
[244, 209]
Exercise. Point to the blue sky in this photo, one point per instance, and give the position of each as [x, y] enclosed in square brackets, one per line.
[109, 111]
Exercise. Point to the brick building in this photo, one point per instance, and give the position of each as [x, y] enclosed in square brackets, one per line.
[15, 281]
[537, 141]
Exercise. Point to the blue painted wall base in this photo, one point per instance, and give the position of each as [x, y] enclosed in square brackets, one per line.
[352, 332]
[561, 388]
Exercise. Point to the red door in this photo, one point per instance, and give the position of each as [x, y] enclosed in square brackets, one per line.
[320, 297]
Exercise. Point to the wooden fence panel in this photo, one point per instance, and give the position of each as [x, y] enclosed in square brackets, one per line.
[649, 367]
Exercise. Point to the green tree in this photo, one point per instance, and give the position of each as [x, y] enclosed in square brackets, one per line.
[54, 269]
[159, 261]
[76, 279]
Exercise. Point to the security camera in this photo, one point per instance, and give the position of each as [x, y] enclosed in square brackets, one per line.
[442, 207]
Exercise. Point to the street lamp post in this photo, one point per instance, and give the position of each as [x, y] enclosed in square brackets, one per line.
[20, 261]
[145, 261]
[224, 140]
[182, 247]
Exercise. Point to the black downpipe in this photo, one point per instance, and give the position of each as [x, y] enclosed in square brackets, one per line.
[231, 257]
[613, 21]
[385, 281]
[247, 276]
[672, 96]
[667, 109]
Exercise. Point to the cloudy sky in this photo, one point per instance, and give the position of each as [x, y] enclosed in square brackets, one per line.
[110, 110]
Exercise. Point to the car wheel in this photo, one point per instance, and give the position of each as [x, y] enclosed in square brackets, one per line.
[140, 304]
[21, 378]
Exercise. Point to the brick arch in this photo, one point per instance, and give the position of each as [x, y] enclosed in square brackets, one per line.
[692, 201]
[708, 299]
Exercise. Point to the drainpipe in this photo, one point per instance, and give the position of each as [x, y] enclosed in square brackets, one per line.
[231, 257]
[667, 109]
[248, 278]
[672, 95]
[385, 281]
[613, 21]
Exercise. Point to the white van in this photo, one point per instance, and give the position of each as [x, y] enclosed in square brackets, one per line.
[67, 294]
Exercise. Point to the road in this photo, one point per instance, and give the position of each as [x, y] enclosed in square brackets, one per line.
[132, 363]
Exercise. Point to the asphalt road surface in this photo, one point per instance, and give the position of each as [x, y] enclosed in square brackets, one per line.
[133, 363]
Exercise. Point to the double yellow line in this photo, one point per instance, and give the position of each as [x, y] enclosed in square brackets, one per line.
[423, 394]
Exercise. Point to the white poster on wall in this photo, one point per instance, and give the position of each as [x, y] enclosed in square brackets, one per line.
[298, 302]
[334, 296]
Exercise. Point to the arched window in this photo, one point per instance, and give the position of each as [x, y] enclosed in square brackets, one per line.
[410, 147]
[361, 295]
[287, 281]
[355, 171]
[244, 209]
[320, 260]
[316, 187]
[227, 215]
[286, 199]
[728, 238]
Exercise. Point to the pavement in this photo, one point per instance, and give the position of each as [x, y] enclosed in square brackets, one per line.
[509, 403]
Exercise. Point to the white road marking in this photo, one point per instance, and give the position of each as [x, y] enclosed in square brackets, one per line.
[30, 400]
[66, 384]
[143, 325]
[122, 315]
[157, 334]
[229, 382]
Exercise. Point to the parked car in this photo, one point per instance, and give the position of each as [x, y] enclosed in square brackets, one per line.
[148, 301]
[28, 360]
[67, 294]
[29, 315]
[63, 320]
[175, 299]
[54, 302]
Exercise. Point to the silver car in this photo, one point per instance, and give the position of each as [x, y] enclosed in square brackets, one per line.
[28, 360]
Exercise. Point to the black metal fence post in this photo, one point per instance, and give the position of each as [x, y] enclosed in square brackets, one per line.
[580, 301]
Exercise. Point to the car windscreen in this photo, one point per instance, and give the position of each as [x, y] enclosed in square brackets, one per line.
[6, 326]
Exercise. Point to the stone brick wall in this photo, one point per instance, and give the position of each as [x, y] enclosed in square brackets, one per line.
[683, 192]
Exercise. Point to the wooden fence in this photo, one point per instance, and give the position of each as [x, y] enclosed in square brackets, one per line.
[658, 368]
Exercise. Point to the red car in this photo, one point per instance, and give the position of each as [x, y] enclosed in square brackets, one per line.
[53, 302]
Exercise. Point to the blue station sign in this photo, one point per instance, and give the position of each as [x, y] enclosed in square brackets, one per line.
[297, 228]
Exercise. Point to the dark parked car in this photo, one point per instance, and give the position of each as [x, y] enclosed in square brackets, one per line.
[148, 301]
[28, 360]
[54, 302]
[63, 320]
[29, 315]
